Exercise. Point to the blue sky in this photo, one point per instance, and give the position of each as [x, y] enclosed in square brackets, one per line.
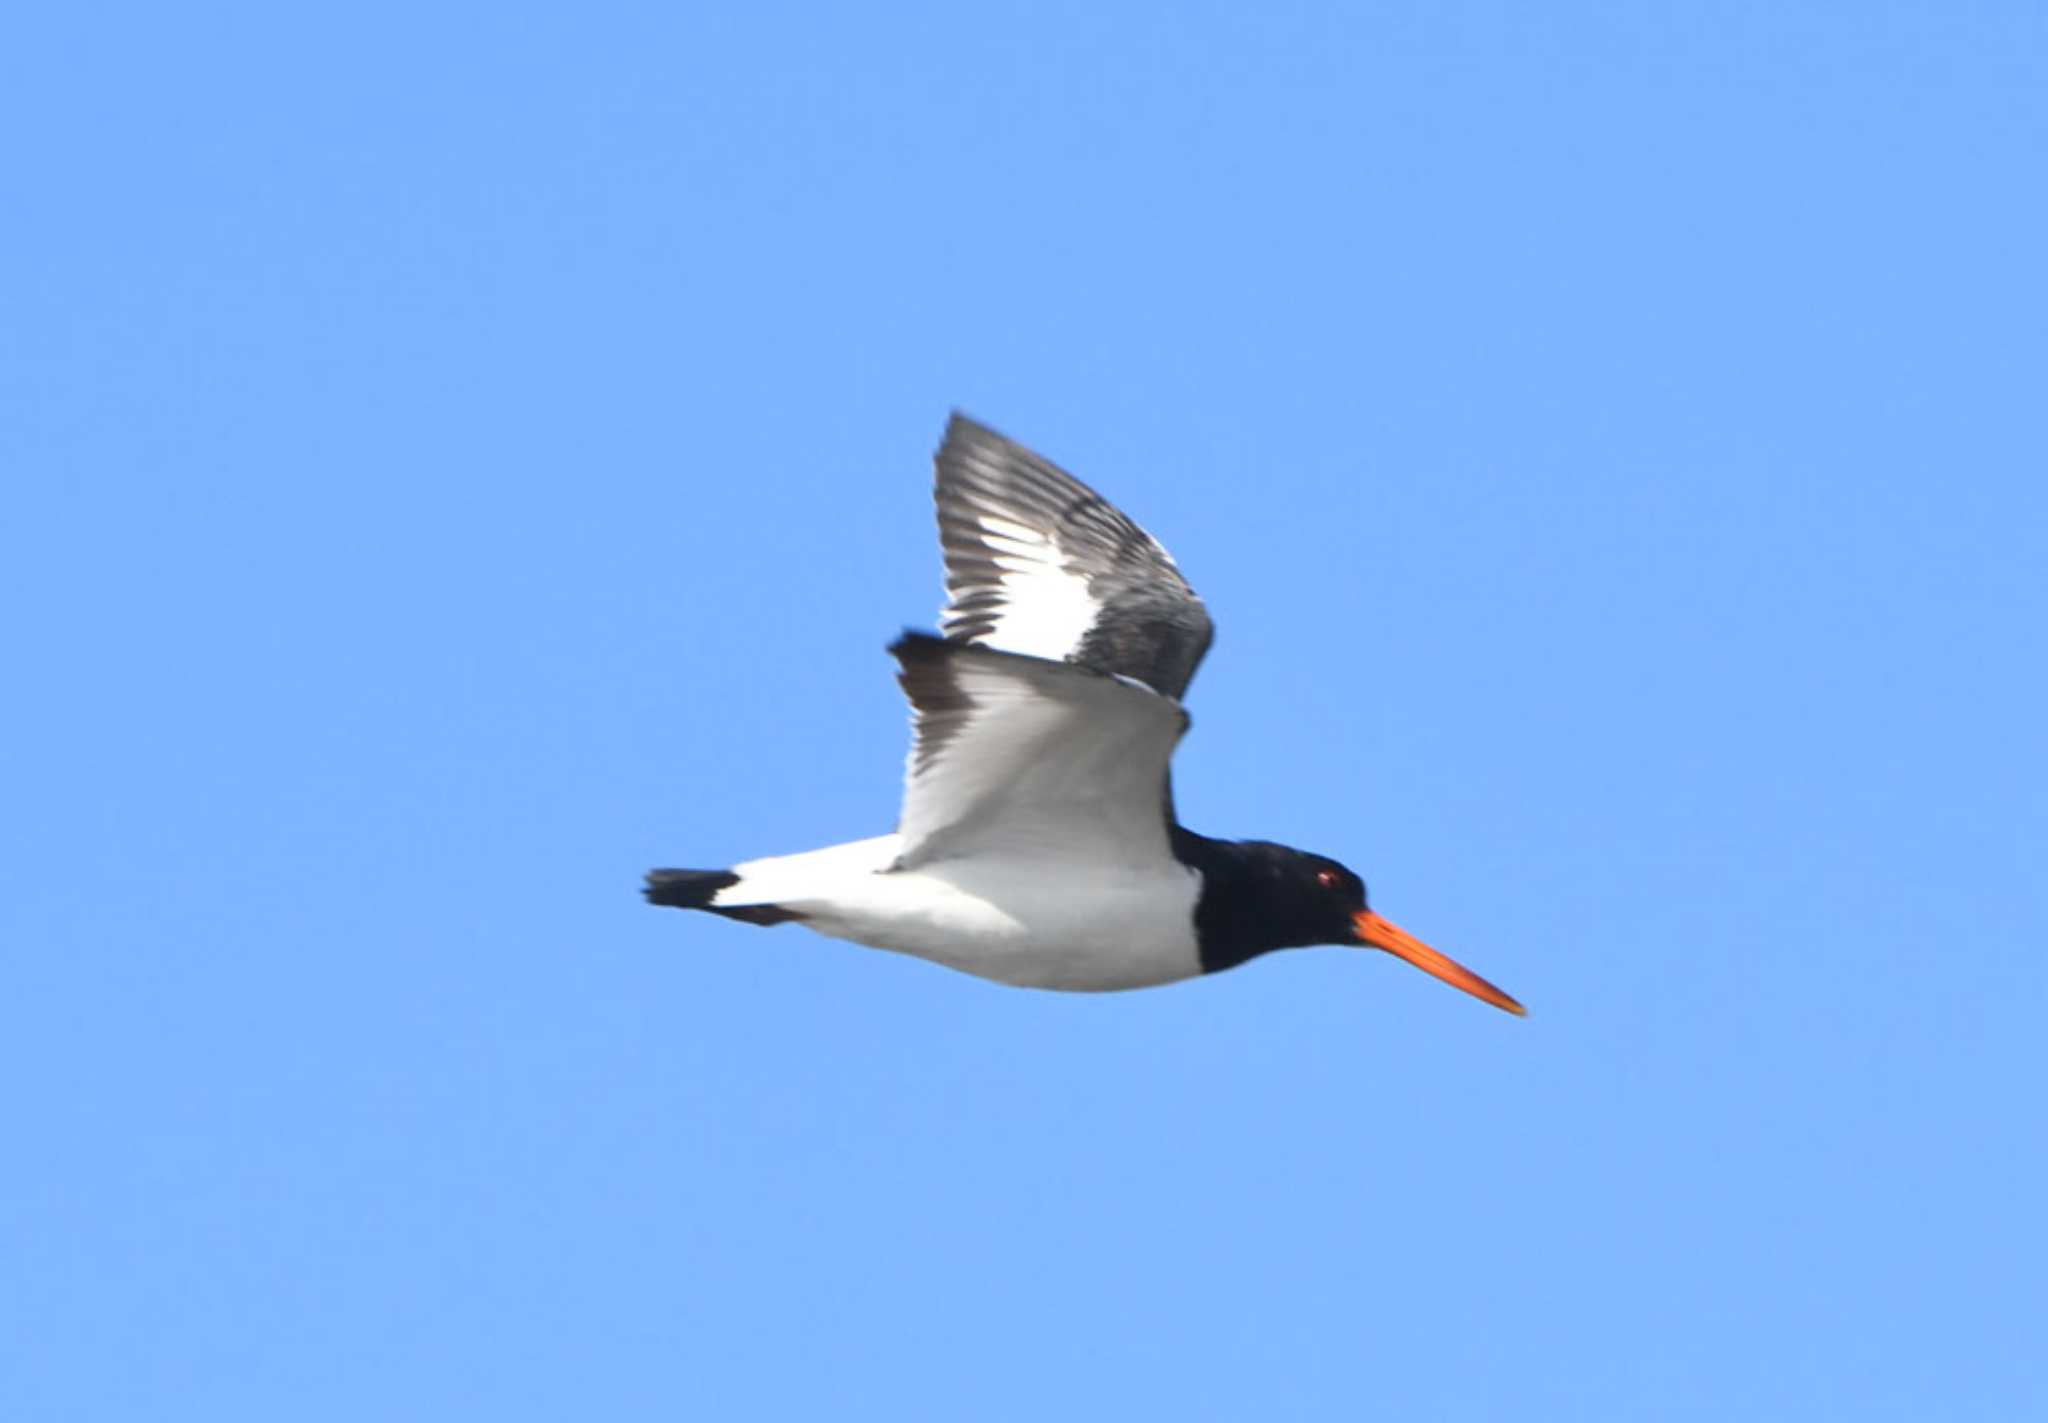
[459, 458]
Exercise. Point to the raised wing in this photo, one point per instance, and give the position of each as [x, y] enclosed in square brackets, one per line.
[1042, 760]
[1040, 564]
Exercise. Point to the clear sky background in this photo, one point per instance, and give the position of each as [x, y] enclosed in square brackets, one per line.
[459, 456]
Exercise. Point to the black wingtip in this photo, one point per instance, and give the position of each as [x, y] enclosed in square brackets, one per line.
[963, 430]
[687, 889]
[915, 646]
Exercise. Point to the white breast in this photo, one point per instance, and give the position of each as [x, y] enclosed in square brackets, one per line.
[1017, 920]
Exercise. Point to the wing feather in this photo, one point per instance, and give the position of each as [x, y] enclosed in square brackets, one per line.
[1040, 759]
[1037, 563]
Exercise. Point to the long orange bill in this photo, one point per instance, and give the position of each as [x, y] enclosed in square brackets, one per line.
[1373, 930]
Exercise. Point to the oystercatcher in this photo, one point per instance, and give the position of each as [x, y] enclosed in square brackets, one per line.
[1037, 844]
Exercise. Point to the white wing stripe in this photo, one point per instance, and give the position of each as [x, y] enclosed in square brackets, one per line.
[1009, 532]
[1046, 609]
[1039, 564]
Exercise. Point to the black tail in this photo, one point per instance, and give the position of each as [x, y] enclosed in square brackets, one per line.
[687, 889]
[693, 889]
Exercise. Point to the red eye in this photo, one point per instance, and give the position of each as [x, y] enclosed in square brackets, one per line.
[1326, 878]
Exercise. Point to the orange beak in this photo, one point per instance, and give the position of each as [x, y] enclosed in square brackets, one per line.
[1373, 930]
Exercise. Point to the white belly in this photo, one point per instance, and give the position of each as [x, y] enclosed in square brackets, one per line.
[1033, 923]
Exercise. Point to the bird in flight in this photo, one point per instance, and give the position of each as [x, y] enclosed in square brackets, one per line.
[1037, 843]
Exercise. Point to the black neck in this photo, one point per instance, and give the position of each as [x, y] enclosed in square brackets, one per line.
[1233, 917]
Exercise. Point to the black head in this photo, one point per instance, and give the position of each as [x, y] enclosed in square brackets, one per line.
[1258, 896]
[1301, 899]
